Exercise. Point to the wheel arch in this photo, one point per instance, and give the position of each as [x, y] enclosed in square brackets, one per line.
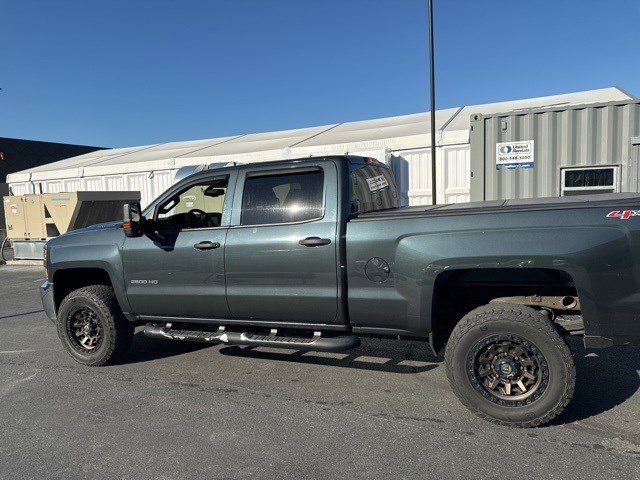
[69, 278]
[66, 280]
[457, 292]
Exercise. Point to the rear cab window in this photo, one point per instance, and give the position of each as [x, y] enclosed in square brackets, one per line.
[373, 188]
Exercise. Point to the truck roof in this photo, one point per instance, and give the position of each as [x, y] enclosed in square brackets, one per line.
[214, 168]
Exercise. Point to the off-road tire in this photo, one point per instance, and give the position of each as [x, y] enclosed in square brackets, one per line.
[495, 321]
[117, 331]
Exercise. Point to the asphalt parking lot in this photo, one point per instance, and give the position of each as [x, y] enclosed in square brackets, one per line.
[178, 410]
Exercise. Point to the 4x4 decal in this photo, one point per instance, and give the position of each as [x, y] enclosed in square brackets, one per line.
[623, 214]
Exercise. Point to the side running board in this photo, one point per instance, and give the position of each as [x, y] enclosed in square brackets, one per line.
[317, 342]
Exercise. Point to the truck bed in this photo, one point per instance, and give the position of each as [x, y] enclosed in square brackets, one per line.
[615, 200]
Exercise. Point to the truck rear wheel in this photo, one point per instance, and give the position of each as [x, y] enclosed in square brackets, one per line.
[92, 327]
[508, 364]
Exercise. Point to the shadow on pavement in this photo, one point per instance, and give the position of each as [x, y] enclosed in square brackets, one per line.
[147, 349]
[605, 379]
[381, 356]
[375, 355]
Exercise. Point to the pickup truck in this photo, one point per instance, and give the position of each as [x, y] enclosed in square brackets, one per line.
[316, 253]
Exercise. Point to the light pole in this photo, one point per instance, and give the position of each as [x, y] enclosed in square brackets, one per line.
[432, 87]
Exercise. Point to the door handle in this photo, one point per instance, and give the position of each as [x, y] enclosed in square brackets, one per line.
[314, 241]
[206, 245]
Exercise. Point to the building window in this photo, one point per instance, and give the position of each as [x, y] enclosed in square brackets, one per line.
[587, 180]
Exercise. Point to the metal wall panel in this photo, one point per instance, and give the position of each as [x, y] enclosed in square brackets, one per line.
[417, 167]
[574, 136]
[72, 185]
[412, 169]
[160, 181]
[452, 174]
[94, 184]
[139, 182]
[21, 188]
[114, 183]
[52, 186]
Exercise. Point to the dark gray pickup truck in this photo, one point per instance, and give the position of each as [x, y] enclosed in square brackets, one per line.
[315, 253]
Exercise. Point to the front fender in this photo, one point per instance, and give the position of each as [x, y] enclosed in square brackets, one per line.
[78, 251]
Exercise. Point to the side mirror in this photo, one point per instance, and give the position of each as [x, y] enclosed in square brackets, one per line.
[132, 220]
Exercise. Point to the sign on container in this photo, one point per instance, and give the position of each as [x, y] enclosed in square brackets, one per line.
[512, 155]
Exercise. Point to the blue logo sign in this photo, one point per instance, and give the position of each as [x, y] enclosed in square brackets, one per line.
[506, 149]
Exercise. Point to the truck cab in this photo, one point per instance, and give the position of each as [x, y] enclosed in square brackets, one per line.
[259, 243]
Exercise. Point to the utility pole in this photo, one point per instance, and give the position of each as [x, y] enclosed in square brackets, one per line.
[432, 87]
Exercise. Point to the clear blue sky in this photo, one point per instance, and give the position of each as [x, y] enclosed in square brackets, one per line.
[116, 73]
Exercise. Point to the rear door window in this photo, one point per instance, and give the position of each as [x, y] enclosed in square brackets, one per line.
[282, 198]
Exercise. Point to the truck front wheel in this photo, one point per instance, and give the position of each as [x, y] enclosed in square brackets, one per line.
[509, 365]
[92, 327]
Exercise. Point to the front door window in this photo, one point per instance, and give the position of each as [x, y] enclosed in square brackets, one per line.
[198, 206]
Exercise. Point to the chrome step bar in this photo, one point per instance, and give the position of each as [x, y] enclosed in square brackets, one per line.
[318, 342]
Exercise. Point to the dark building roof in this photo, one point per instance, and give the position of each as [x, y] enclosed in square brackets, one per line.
[17, 154]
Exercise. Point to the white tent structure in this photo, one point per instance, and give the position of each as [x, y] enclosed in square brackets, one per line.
[403, 141]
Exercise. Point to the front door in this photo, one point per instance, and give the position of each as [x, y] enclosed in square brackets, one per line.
[176, 269]
[281, 255]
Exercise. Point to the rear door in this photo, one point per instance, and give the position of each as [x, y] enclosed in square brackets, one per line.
[281, 250]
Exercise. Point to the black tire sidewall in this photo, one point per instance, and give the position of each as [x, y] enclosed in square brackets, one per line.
[93, 357]
[556, 360]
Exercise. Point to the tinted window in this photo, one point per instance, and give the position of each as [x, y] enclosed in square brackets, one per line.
[284, 198]
[596, 177]
[373, 188]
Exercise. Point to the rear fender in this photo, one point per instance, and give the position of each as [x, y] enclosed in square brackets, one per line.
[597, 259]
